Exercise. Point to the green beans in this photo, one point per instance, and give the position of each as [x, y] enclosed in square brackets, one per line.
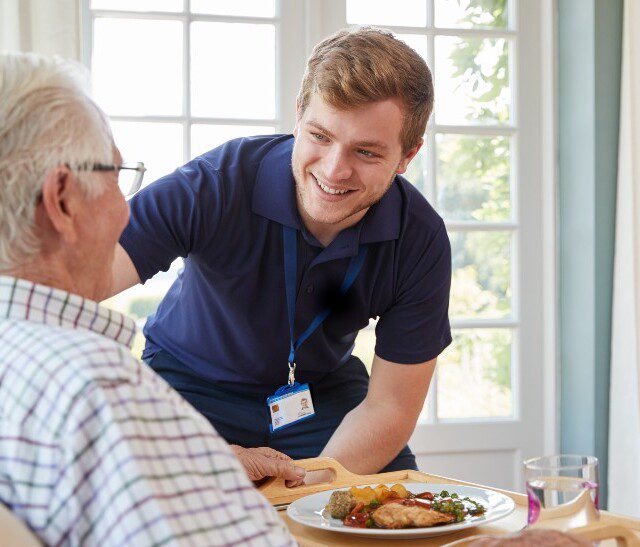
[456, 506]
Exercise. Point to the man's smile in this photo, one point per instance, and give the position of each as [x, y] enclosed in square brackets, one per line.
[331, 190]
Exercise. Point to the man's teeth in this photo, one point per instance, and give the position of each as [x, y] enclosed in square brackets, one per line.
[330, 190]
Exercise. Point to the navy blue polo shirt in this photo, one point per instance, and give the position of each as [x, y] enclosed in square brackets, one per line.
[225, 316]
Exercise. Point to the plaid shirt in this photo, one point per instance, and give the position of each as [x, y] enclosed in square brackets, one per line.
[96, 449]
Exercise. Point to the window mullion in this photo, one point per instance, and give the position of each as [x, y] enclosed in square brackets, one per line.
[87, 33]
[186, 82]
[431, 135]
[431, 18]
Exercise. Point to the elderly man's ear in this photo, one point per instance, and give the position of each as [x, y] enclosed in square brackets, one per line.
[61, 204]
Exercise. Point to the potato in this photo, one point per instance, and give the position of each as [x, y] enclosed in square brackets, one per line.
[400, 490]
[369, 495]
[365, 495]
[382, 492]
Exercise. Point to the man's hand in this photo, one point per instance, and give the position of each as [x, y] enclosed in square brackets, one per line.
[263, 462]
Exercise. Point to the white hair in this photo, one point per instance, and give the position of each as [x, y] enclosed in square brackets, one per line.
[46, 120]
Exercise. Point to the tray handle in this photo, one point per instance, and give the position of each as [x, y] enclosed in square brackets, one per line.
[599, 531]
[275, 490]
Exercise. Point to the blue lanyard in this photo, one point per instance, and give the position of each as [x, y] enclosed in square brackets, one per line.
[290, 240]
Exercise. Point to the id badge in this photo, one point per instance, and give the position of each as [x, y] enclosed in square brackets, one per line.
[289, 405]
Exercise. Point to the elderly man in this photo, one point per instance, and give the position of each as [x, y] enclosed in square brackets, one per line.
[94, 447]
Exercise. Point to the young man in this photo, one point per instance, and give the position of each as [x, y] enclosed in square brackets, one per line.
[95, 449]
[291, 245]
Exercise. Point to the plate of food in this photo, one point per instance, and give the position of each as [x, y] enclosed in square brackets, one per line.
[401, 511]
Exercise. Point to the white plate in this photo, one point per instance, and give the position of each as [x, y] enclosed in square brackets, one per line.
[310, 512]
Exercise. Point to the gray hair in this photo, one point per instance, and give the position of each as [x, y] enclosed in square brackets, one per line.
[46, 120]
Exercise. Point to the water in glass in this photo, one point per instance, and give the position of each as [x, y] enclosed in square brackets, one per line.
[562, 491]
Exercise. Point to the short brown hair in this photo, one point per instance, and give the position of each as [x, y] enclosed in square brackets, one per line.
[366, 64]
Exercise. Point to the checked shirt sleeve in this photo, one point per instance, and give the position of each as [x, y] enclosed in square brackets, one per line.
[141, 467]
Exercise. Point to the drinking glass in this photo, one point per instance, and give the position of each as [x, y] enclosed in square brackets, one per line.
[562, 491]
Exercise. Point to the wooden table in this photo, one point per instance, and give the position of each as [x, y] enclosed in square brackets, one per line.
[627, 529]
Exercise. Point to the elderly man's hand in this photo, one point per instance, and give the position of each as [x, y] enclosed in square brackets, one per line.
[263, 462]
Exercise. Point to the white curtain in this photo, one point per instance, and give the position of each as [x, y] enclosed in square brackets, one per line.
[624, 420]
[43, 26]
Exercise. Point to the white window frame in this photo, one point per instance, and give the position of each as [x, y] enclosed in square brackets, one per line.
[285, 64]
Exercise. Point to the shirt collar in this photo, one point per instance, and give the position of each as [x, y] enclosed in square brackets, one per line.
[274, 192]
[274, 198]
[23, 300]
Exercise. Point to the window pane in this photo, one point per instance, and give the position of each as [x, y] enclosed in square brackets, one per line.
[158, 145]
[469, 13]
[474, 375]
[142, 300]
[138, 5]
[416, 172]
[472, 80]
[418, 42]
[249, 8]
[425, 414]
[473, 177]
[233, 70]
[137, 66]
[365, 345]
[411, 13]
[481, 281]
[205, 137]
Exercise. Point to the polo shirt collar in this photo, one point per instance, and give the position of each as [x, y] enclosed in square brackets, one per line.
[274, 191]
[274, 198]
[23, 300]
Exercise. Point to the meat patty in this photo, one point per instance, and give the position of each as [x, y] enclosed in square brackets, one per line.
[396, 515]
[340, 504]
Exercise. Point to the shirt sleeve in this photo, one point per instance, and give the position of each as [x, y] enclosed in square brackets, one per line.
[415, 329]
[142, 467]
[172, 217]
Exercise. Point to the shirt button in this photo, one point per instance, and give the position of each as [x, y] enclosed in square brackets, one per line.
[309, 288]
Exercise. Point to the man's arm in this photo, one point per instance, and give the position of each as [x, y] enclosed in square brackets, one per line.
[372, 434]
[124, 273]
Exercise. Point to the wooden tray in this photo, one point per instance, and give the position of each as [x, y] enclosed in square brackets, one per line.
[610, 526]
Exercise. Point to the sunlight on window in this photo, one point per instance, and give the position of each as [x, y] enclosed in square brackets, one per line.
[472, 81]
[481, 284]
[138, 5]
[401, 13]
[477, 369]
[474, 176]
[137, 66]
[250, 8]
[157, 145]
[469, 13]
[225, 86]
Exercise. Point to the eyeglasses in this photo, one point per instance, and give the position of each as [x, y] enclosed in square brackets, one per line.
[129, 177]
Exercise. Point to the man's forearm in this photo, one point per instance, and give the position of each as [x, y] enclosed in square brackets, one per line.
[369, 437]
